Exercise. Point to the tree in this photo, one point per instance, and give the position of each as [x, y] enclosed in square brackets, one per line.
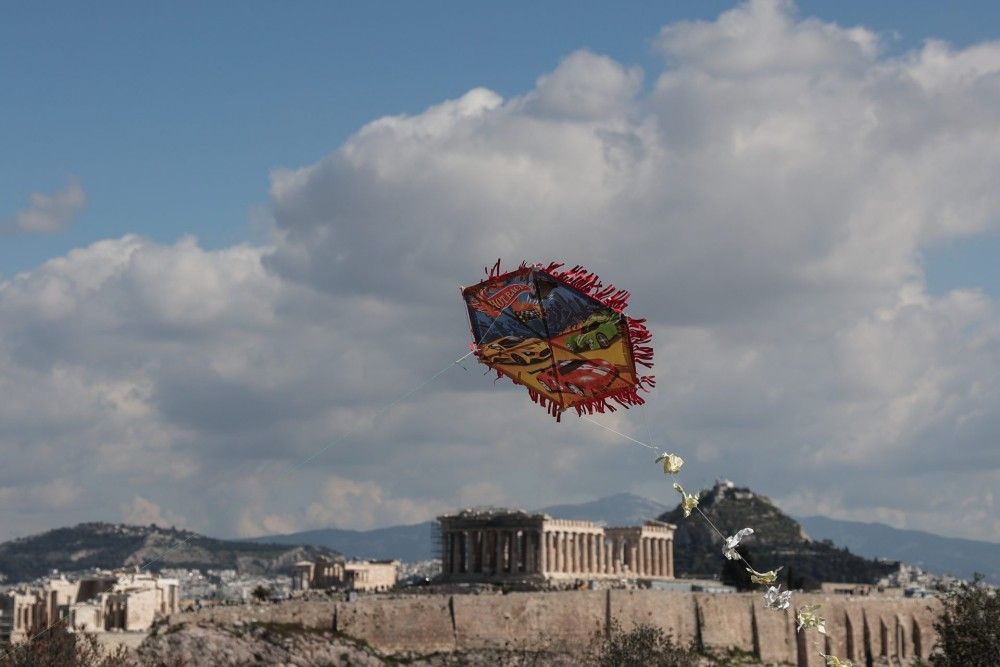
[261, 593]
[644, 646]
[968, 627]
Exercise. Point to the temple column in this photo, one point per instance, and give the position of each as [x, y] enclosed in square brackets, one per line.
[472, 551]
[571, 551]
[600, 553]
[550, 551]
[670, 557]
[452, 553]
[525, 550]
[613, 552]
[504, 553]
[633, 551]
[642, 557]
[512, 564]
[665, 558]
[460, 561]
[563, 551]
[541, 539]
[498, 555]
[564, 547]
[591, 558]
[529, 552]
[489, 551]
[660, 554]
[579, 552]
[483, 555]
[557, 560]
[566, 544]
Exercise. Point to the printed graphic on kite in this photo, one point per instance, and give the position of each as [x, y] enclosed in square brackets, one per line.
[563, 335]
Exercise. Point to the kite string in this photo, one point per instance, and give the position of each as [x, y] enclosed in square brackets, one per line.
[627, 437]
[656, 449]
[718, 532]
[820, 648]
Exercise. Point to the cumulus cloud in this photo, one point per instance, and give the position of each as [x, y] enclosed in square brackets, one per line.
[49, 213]
[349, 503]
[143, 512]
[767, 200]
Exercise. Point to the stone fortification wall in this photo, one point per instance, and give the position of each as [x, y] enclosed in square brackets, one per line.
[314, 615]
[888, 630]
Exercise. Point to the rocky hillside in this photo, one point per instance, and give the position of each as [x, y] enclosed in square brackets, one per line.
[778, 540]
[108, 546]
[286, 644]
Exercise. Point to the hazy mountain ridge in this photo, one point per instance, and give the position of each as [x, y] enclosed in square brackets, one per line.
[109, 546]
[780, 540]
[933, 553]
[622, 509]
[409, 543]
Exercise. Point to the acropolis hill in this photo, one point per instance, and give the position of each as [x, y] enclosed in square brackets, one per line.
[868, 630]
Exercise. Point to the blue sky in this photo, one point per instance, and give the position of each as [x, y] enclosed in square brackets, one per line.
[172, 114]
[796, 205]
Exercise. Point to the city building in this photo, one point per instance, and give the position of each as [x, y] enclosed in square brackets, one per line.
[319, 574]
[502, 544]
[371, 575]
[359, 575]
[95, 603]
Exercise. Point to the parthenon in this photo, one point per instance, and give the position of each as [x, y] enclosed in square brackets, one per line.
[501, 544]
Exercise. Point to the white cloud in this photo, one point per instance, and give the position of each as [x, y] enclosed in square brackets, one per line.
[143, 512]
[348, 503]
[767, 211]
[48, 213]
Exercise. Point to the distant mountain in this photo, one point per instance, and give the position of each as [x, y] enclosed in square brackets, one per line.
[407, 543]
[778, 540]
[940, 555]
[110, 546]
[416, 542]
[623, 509]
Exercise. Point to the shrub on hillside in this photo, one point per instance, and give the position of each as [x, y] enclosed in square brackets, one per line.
[969, 627]
[644, 646]
[58, 648]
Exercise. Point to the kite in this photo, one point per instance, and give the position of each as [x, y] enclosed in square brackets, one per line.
[563, 335]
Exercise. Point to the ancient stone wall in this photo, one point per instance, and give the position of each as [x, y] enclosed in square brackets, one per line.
[886, 630]
[313, 615]
[417, 624]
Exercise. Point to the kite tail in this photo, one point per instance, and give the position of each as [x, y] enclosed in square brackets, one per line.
[550, 406]
[639, 335]
[625, 398]
[497, 272]
[580, 278]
